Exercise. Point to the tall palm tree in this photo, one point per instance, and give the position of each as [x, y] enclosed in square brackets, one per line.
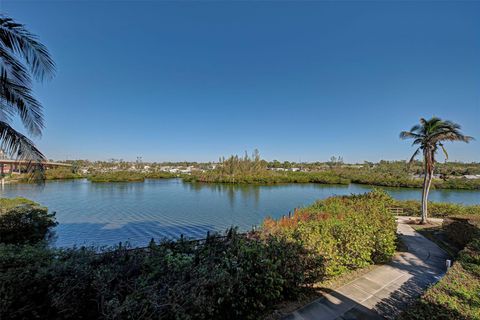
[429, 136]
[22, 59]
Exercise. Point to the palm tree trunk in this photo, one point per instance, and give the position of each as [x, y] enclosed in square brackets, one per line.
[424, 198]
[426, 189]
[427, 182]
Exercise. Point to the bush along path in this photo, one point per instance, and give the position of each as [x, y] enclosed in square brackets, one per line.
[387, 290]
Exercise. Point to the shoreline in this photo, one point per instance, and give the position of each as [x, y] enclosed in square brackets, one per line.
[240, 183]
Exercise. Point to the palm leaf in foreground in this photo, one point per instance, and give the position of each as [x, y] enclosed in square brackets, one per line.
[22, 57]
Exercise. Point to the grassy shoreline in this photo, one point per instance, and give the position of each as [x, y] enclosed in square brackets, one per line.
[266, 177]
[330, 177]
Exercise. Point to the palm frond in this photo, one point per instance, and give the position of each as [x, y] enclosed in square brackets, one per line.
[447, 133]
[452, 125]
[416, 129]
[18, 39]
[14, 67]
[408, 135]
[414, 155]
[17, 145]
[444, 151]
[418, 141]
[18, 99]
[430, 134]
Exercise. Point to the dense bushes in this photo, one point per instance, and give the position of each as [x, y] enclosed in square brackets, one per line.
[224, 278]
[366, 176]
[344, 232]
[23, 221]
[61, 173]
[117, 176]
[130, 176]
[461, 230]
[436, 209]
[9, 203]
[267, 177]
[377, 178]
[404, 180]
[457, 183]
[161, 175]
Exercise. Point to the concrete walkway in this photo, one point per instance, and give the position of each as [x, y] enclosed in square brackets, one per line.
[385, 291]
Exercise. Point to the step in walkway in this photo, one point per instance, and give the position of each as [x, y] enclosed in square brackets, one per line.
[385, 291]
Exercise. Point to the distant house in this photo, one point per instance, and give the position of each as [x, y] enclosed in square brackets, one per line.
[472, 176]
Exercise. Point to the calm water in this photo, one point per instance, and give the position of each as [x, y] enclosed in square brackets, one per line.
[107, 213]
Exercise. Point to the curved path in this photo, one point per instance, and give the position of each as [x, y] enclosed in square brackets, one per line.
[385, 291]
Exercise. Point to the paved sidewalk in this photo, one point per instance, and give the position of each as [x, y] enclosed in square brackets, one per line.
[386, 290]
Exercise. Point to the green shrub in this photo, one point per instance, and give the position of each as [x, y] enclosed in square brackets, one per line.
[160, 175]
[24, 282]
[267, 177]
[462, 229]
[23, 221]
[436, 209]
[345, 233]
[9, 203]
[61, 173]
[235, 277]
[117, 176]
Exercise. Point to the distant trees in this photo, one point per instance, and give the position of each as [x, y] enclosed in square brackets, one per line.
[334, 161]
[246, 165]
[22, 59]
[429, 136]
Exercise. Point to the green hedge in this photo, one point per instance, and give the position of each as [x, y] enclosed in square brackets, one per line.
[117, 176]
[130, 176]
[461, 230]
[24, 221]
[436, 209]
[267, 177]
[223, 278]
[346, 232]
[9, 203]
[61, 173]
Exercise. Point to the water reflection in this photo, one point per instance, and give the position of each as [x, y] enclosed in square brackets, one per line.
[247, 192]
[107, 213]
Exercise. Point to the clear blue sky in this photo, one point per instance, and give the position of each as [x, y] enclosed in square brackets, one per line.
[297, 80]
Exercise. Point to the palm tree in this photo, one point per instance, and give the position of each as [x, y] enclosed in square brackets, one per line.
[429, 135]
[22, 59]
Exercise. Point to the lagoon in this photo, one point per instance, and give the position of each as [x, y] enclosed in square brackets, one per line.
[103, 214]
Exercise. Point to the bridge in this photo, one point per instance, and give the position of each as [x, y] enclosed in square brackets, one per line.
[11, 165]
